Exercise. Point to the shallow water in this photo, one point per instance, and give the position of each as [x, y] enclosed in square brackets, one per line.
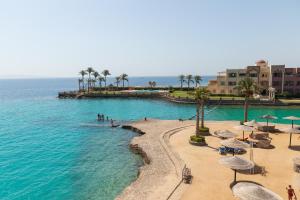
[55, 149]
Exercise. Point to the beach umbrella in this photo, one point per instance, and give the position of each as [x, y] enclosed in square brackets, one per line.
[292, 118]
[291, 131]
[225, 134]
[251, 123]
[252, 191]
[268, 117]
[234, 143]
[244, 128]
[236, 163]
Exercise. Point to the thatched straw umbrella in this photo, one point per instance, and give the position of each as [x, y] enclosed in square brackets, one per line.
[244, 128]
[292, 118]
[236, 163]
[252, 123]
[234, 143]
[268, 117]
[252, 191]
[291, 131]
[225, 134]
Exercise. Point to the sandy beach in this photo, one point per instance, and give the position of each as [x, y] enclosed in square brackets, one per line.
[166, 144]
[211, 180]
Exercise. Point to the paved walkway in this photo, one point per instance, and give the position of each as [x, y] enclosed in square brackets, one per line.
[158, 179]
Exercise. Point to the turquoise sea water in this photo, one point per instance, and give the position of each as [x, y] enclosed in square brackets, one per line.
[55, 149]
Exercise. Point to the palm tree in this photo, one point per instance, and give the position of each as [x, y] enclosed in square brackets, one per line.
[89, 70]
[152, 84]
[105, 74]
[181, 79]
[124, 77]
[197, 79]
[82, 73]
[100, 79]
[118, 80]
[201, 96]
[79, 84]
[247, 87]
[189, 79]
[95, 74]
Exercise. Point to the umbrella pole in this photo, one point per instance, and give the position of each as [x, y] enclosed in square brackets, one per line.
[234, 176]
[243, 135]
[292, 123]
[268, 125]
[290, 140]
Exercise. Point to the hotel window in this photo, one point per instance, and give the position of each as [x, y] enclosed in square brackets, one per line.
[289, 83]
[253, 75]
[276, 83]
[277, 74]
[242, 74]
[231, 83]
[232, 75]
[222, 83]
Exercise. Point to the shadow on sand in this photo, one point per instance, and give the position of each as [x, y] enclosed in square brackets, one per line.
[295, 148]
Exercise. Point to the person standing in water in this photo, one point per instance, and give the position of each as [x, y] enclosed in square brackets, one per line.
[291, 193]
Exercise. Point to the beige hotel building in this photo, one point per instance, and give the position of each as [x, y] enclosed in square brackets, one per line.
[227, 81]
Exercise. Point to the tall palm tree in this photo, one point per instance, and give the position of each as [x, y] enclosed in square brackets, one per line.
[95, 74]
[82, 73]
[79, 84]
[118, 80]
[201, 96]
[247, 87]
[152, 84]
[100, 79]
[89, 70]
[182, 80]
[197, 79]
[105, 73]
[189, 80]
[124, 77]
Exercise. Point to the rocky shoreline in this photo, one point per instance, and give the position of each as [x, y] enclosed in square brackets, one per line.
[160, 177]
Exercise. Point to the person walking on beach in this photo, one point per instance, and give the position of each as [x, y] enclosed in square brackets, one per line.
[99, 117]
[291, 193]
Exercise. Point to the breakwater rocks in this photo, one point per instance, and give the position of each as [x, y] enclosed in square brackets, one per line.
[167, 97]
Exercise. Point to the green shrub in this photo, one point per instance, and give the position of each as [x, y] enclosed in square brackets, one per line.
[204, 129]
[197, 139]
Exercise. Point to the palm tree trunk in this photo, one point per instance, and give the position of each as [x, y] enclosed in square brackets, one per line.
[89, 82]
[123, 83]
[181, 84]
[197, 119]
[79, 84]
[246, 110]
[202, 114]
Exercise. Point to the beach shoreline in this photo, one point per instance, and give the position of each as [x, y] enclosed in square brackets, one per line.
[160, 176]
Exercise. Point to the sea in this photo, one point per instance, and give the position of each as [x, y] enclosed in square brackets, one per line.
[54, 148]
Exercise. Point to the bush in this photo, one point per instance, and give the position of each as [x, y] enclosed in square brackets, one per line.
[198, 139]
[203, 129]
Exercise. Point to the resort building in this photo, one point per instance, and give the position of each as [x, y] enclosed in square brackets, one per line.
[285, 80]
[227, 81]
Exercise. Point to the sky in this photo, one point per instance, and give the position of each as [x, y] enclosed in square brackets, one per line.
[58, 38]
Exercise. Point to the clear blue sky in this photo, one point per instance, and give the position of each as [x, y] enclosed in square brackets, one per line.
[145, 37]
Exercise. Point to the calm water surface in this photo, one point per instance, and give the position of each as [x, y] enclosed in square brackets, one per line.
[55, 149]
